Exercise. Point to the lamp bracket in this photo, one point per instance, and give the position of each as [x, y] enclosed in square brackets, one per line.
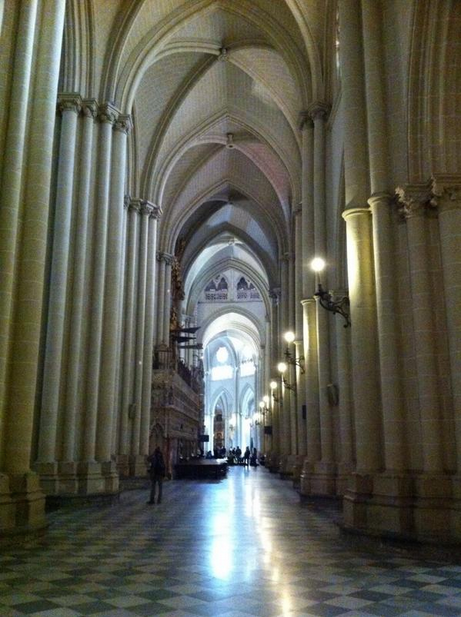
[299, 361]
[288, 385]
[340, 306]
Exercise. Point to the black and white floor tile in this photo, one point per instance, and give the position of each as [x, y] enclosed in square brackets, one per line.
[241, 547]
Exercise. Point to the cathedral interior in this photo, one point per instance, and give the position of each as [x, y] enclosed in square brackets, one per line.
[230, 223]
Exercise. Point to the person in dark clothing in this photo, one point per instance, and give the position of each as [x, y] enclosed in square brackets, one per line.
[246, 456]
[156, 474]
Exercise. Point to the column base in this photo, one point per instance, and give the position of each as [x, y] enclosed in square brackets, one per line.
[423, 508]
[58, 478]
[342, 478]
[123, 465]
[272, 462]
[319, 479]
[287, 462]
[138, 465]
[297, 470]
[22, 508]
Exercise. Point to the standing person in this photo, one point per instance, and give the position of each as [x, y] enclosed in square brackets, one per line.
[157, 474]
[246, 456]
[238, 454]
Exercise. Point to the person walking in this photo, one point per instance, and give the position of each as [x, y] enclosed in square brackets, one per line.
[246, 456]
[156, 474]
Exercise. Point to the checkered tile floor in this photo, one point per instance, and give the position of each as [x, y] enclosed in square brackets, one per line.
[241, 547]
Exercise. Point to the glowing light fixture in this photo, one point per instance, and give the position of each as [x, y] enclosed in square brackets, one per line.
[290, 337]
[282, 367]
[340, 306]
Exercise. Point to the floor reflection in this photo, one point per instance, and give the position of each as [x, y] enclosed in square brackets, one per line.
[240, 547]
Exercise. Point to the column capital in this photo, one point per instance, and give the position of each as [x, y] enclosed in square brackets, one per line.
[123, 124]
[356, 212]
[90, 108]
[413, 199]
[107, 113]
[286, 257]
[319, 110]
[156, 212]
[381, 199]
[166, 257]
[307, 301]
[145, 207]
[69, 102]
[305, 121]
[446, 191]
[274, 295]
[297, 211]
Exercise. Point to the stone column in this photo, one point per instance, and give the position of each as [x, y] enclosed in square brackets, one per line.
[312, 381]
[107, 116]
[69, 106]
[416, 199]
[113, 285]
[307, 203]
[380, 204]
[129, 333]
[353, 101]
[300, 381]
[75, 348]
[375, 86]
[138, 464]
[167, 301]
[364, 342]
[149, 330]
[345, 404]
[24, 318]
[32, 254]
[447, 191]
[160, 297]
[323, 360]
[319, 113]
[286, 398]
[13, 178]
[389, 344]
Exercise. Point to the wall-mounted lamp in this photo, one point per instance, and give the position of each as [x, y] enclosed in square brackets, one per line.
[282, 368]
[273, 386]
[290, 337]
[340, 306]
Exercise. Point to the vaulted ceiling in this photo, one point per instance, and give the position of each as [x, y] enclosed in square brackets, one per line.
[216, 88]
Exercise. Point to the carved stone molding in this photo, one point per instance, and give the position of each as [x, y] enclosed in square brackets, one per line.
[414, 199]
[223, 54]
[124, 124]
[287, 257]
[319, 110]
[305, 121]
[274, 295]
[107, 113]
[145, 207]
[69, 102]
[90, 108]
[165, 257]
[156, 212]
[382, 199]
[446, 191]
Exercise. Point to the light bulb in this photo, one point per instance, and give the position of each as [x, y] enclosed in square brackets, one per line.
[318, 264]
[273, 385]
[281, 367]
[289, 337]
